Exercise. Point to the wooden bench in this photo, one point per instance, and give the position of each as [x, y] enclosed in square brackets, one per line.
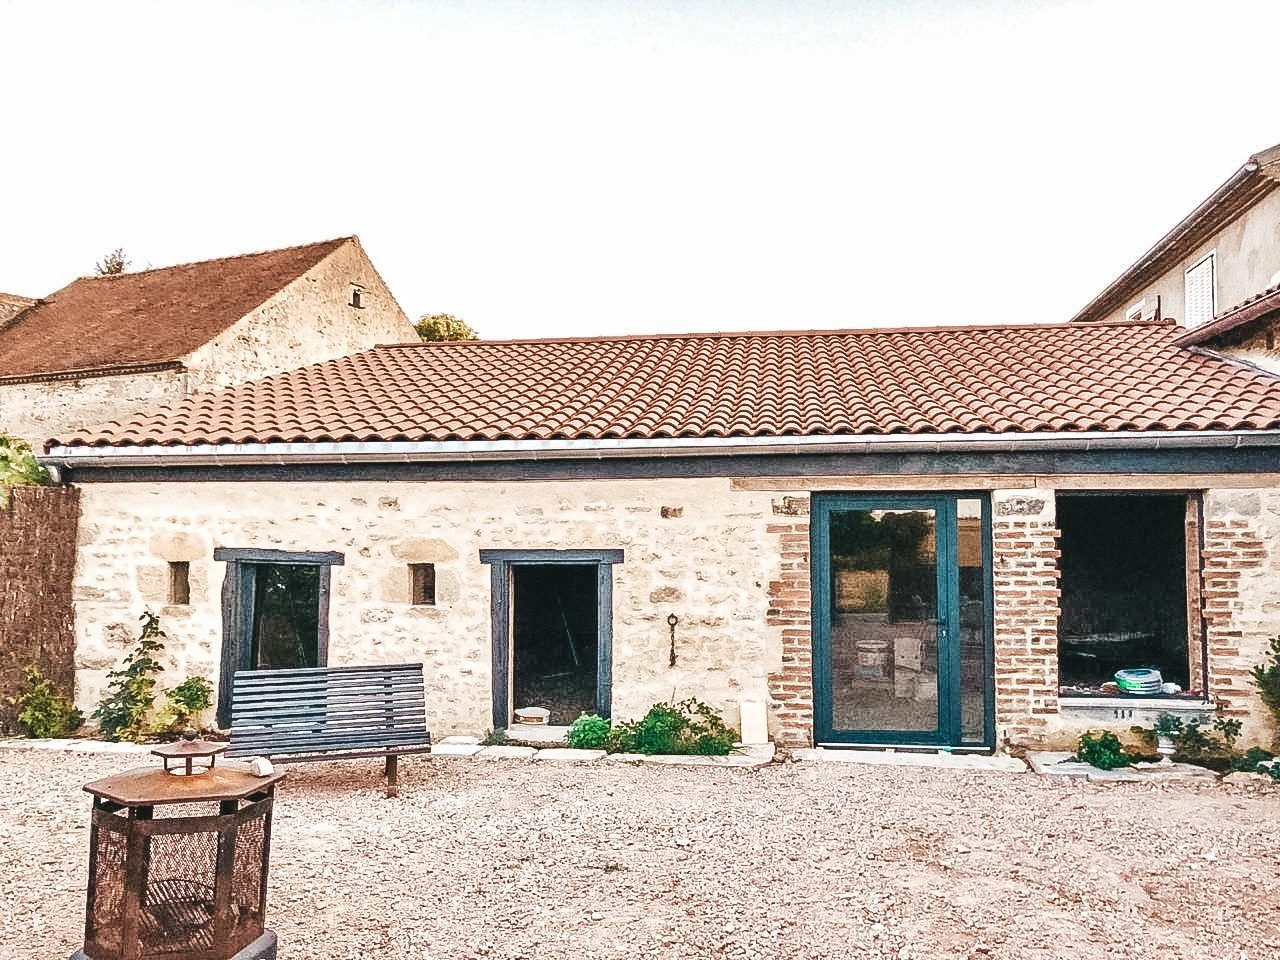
[330, 713]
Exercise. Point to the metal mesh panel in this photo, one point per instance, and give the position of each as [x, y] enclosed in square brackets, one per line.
[178, 903]
[108, 887]
[246, 886]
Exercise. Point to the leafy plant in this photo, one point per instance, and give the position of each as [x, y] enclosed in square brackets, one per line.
[1101, 750]
[18, 465]
[496, 738]
[685, 727]
[1266, 677]
[42, 712]
[1251, 759]
[182, 703]
[131, 688]
[588, 732]
[1168, 725]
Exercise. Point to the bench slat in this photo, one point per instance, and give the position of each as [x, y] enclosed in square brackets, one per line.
[381, 669]
[329, 712]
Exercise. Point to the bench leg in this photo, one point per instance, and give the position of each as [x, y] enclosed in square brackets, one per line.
[393, 786]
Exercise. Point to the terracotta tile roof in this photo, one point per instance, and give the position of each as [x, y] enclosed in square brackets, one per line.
[1007, 379]
[1260, 306]
[97, 323]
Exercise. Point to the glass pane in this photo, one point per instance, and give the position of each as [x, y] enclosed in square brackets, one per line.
[286, 616]
[973, 613]
[884, 637]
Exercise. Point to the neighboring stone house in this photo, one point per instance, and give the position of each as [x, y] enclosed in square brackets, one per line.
[1217, 272]
[104, 348]
[949, 537]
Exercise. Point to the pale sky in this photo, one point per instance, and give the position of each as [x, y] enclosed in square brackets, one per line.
[551, 169]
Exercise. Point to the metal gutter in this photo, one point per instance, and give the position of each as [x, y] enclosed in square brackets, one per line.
[404, 451]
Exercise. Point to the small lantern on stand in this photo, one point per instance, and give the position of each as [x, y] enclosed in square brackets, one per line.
[178, 860]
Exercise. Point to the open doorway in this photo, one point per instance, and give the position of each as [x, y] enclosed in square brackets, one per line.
[1123, 591]
[555, 638]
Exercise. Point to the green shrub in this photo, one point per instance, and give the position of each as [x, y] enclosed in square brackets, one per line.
[588, 732]
[1101, 750]
[18, 466]
[182, 704]
[686, 727]
[1251, 759]
[496, 738]
[1266, 677]
[131, 688]
[42, 712]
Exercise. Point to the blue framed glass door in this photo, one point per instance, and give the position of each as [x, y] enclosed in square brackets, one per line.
[901, 615]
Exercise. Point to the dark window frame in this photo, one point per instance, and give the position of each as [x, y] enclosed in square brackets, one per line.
[237, 608]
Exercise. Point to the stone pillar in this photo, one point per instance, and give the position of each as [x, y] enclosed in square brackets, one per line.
[1025, 581]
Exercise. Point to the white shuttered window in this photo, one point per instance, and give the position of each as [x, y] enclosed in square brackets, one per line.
[1200, 305]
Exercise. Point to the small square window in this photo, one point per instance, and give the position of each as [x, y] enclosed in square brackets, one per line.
[422, 584]
[180, 583]
[357, 296]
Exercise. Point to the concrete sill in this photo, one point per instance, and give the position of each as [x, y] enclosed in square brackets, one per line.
[1135, 710]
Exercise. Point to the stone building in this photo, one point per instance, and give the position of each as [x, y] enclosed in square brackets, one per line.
[952, 537]
[104, 348]
[948, 536]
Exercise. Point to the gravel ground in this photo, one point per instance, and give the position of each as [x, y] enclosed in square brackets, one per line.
[510, 859]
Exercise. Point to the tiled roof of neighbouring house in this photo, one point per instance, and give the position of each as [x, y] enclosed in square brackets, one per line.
[11, 305]
[96, 324]
[1260, 306]
[957, 380]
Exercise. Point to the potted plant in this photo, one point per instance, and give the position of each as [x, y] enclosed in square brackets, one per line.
[1167, 728]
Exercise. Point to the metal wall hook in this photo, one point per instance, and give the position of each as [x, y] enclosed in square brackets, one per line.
[672, 620]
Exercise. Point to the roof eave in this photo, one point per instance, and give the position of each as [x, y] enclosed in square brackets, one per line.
[1241, 316]
[280, 454]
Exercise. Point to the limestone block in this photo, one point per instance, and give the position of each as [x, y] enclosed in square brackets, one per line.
[153, 582]
[180, 545]
[666, 595]
[423, 550]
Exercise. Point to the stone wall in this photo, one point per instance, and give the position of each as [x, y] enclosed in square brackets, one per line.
[43, 409]
[691, 547]
[310, 320]
[37, 559]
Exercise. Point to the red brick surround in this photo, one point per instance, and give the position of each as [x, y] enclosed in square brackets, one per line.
[1025, 580]
[790, 604]
[1231, 547]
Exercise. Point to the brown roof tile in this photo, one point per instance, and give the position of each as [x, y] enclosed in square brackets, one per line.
[152, 316]
[1005, 379]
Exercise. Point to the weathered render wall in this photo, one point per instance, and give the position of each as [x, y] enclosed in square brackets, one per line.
[43, 409]
[691, 547]
[37, 560]
[1247, 257]
[310, 320]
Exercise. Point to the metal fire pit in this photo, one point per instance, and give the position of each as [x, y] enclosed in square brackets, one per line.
[178, 860]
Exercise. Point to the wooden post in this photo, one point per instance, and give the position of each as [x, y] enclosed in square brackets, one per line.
[393, 787]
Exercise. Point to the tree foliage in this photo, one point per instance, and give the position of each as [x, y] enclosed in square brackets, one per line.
[113, 263]
[18, 465]
[435, 327]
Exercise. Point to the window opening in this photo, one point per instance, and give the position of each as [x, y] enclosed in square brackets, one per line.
[179, 583]
[422, 583]
[1201, 303]
[1123, 584]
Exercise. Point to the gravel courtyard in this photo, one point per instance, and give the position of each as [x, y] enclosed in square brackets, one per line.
[517, 859]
